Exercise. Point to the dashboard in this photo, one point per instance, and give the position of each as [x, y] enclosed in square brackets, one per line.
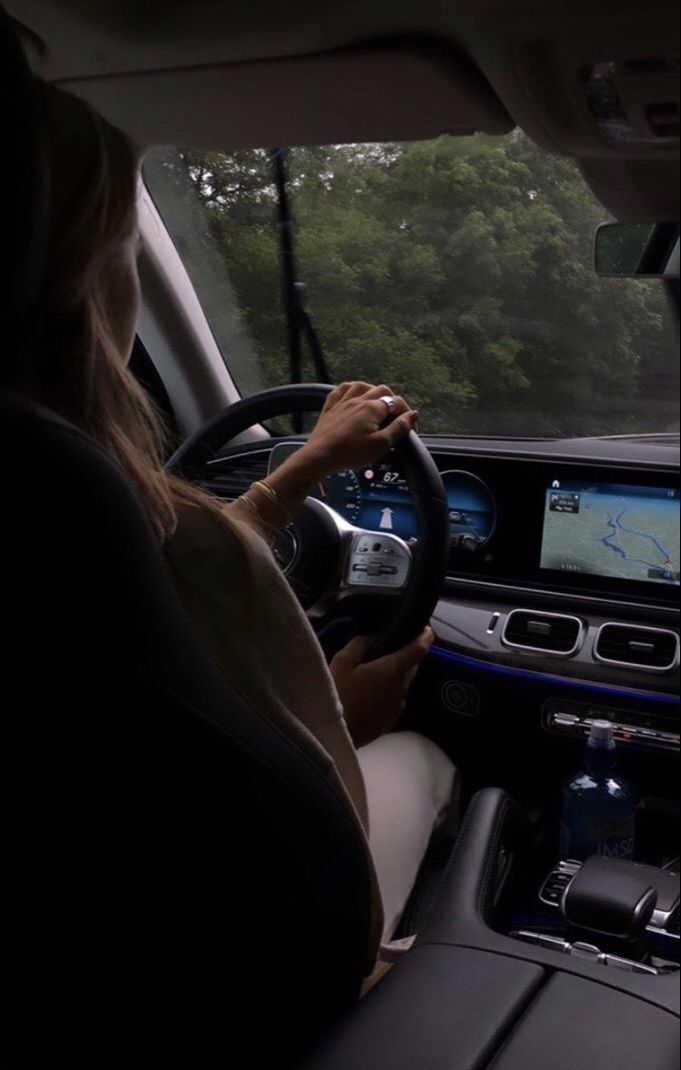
[594, 518]
[560, 605]
[565, 524]
[561, 601]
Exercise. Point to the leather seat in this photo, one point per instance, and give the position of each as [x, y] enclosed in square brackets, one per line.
[184, 882]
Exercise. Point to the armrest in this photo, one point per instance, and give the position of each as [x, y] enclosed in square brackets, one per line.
[442, 1007]
[576, 1024]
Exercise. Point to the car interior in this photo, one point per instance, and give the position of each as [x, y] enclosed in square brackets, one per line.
[183, 881]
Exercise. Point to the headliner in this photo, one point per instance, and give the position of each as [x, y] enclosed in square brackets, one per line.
[220, 74]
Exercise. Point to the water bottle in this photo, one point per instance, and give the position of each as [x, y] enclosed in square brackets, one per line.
[599, 806]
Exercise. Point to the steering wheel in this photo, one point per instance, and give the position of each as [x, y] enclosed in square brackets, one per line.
[328, 560]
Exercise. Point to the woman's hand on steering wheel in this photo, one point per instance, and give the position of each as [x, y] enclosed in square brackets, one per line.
[358, 424]
[373, 694]
[357, 427]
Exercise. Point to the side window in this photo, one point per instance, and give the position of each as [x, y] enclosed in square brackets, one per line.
[200, 198]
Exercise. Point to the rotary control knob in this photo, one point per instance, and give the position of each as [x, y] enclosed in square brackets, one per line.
[468, 542]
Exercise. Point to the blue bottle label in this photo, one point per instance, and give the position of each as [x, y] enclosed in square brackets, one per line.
[599, 835]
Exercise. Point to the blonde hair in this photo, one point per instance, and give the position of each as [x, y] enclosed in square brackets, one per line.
[73, 363]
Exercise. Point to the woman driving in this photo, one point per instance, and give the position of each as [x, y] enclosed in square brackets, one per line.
[76, 363]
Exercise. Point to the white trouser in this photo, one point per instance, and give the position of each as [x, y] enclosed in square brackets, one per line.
[409, 785]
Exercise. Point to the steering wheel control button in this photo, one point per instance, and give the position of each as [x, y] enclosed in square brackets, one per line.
[367, 566]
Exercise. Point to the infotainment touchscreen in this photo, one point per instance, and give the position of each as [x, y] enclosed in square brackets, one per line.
[607, 529]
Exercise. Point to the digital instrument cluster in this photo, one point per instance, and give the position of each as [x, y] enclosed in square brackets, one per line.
[377, 497]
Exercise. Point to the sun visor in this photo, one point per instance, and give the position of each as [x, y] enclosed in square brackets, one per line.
[378, 92]
[635, 190]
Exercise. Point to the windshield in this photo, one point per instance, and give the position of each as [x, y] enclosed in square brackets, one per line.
[459, 271]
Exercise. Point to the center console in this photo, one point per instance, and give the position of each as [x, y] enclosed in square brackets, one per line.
[573, 602]
[478, 991]
[664, 916]
[614, 913]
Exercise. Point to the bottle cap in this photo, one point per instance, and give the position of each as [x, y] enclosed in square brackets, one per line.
[602, 734]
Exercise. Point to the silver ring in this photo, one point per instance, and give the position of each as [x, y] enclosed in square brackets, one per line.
[389, 403]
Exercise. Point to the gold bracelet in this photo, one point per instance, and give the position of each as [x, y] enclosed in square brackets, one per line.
[274, 498]
[264, 522]
[253, 505]
[269, 491]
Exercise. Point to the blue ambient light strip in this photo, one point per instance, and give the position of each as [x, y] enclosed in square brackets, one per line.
[544, 678]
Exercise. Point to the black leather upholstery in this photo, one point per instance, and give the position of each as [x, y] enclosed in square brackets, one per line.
[575, 1025]
[446, 1008]
[493, 831]
[442, 1009]
[179, 869]
[469, 998]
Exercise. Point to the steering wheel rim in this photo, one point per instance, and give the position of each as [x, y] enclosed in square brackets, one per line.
[426, 490]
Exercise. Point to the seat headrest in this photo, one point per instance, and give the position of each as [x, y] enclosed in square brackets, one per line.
[23, 197]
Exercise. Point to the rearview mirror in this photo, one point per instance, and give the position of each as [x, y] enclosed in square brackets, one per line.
[637, 250]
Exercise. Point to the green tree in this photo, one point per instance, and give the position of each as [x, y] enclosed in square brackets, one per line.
[457, 270]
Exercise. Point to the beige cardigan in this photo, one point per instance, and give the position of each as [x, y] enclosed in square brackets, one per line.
[254, 629]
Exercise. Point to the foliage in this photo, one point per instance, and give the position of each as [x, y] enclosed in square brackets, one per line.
[459, 271]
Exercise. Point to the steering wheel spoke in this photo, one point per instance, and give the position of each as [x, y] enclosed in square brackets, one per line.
[369, 562]
[376, 563]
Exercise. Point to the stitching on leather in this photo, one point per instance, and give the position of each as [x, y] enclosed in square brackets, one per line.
[499, 820]
[457, 847]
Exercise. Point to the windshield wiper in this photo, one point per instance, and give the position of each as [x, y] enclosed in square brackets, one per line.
[299, 326]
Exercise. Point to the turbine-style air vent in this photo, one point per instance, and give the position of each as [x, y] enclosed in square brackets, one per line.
[548, 633]
[637, 647]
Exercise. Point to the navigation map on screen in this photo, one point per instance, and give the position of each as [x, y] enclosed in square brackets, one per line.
[606, 529]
